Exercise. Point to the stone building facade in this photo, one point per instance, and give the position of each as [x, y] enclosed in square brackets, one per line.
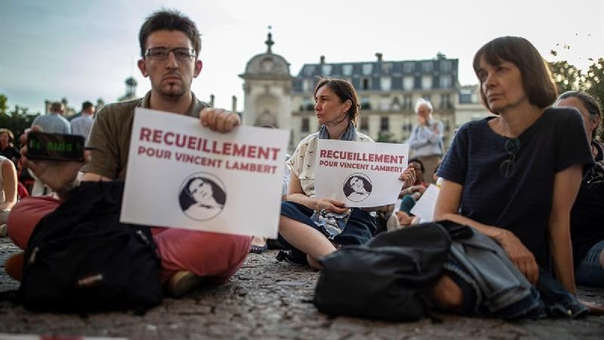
[387, 93]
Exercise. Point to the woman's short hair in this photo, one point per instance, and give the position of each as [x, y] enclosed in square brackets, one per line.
[11, 136]
[421, 102]
[536, 76]
[348, 186]
[186, 197]
[590, 103]
[345, 91]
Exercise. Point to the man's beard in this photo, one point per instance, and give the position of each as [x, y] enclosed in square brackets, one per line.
[173, 92]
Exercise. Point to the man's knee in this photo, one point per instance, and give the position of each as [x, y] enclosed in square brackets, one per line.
[26, 214]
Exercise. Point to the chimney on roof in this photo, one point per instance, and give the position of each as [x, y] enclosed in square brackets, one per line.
[234, 104]
[322, 59]
[379, 57]
[211, 100]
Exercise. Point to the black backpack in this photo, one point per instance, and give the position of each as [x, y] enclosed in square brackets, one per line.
[81, 259]
[386, 278]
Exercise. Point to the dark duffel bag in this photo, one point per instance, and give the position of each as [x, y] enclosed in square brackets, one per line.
[386, 278]
[81, 259]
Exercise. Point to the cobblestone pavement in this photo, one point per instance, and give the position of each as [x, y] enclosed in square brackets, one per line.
[271, 300]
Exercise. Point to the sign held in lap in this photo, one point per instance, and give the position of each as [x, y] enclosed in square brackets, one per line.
[360, 174]
[183, 175]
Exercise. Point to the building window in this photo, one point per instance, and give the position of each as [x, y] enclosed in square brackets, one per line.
[445, 82]
[396, 104]
[347, 70]
[306, 85]
[445, 101]
[365, 104]
[386, 83]
[384, 124]
[309, 70]
[426, 82]
[308, 105]
[365, 84]
[385, 103]
[326, 69]
[427, 66]
[407, 104]
[367, 69]
[305, 125]
[408, 67]
[365, 123]
[445, 66]
[386, 68]
[408, 83]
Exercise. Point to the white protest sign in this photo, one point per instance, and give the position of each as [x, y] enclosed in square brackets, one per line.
[424, 208]
[183, 175]
[360, 174]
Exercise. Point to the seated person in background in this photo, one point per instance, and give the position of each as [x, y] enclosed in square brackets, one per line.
[413, 193]
[311, 227]
[8, 191]
[7, 148]
[587, 215]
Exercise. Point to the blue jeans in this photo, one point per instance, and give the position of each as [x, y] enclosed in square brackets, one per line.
[590, 271]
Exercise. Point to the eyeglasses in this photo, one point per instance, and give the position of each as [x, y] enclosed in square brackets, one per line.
[512, 146]
[162, 53]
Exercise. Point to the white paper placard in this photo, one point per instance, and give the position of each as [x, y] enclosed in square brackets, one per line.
[360, 174]
[424, 208]
[183, 175]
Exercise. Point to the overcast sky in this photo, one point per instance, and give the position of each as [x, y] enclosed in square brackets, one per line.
[84, 50]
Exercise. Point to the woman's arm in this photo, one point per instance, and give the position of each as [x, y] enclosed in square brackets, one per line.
[566, 187]
[297, 195]
[447, 206]
[9, 184]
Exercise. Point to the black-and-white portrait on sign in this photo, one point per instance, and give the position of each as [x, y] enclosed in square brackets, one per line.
[202, 196]
[357, 187]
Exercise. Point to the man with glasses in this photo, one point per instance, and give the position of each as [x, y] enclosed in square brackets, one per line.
[170, 44]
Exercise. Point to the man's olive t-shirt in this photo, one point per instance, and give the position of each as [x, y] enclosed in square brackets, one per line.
[110, 136]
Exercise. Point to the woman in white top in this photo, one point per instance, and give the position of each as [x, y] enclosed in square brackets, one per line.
[311, 227]
[8, 183]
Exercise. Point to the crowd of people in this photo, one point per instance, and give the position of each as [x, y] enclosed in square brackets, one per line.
[530, 177]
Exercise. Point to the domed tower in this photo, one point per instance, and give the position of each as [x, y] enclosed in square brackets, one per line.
[267, 90]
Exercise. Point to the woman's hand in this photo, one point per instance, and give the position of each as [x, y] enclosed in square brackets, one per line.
[407, 177]
[219, 120]
[522, 258]
[330, 205]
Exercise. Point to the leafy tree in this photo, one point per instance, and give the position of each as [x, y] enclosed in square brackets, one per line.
[3, 106]
[16, 120]
[566, 76]
[594, 85]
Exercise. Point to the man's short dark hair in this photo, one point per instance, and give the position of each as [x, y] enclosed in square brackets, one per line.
[86, 105]
[171, 20]
[537, 80]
